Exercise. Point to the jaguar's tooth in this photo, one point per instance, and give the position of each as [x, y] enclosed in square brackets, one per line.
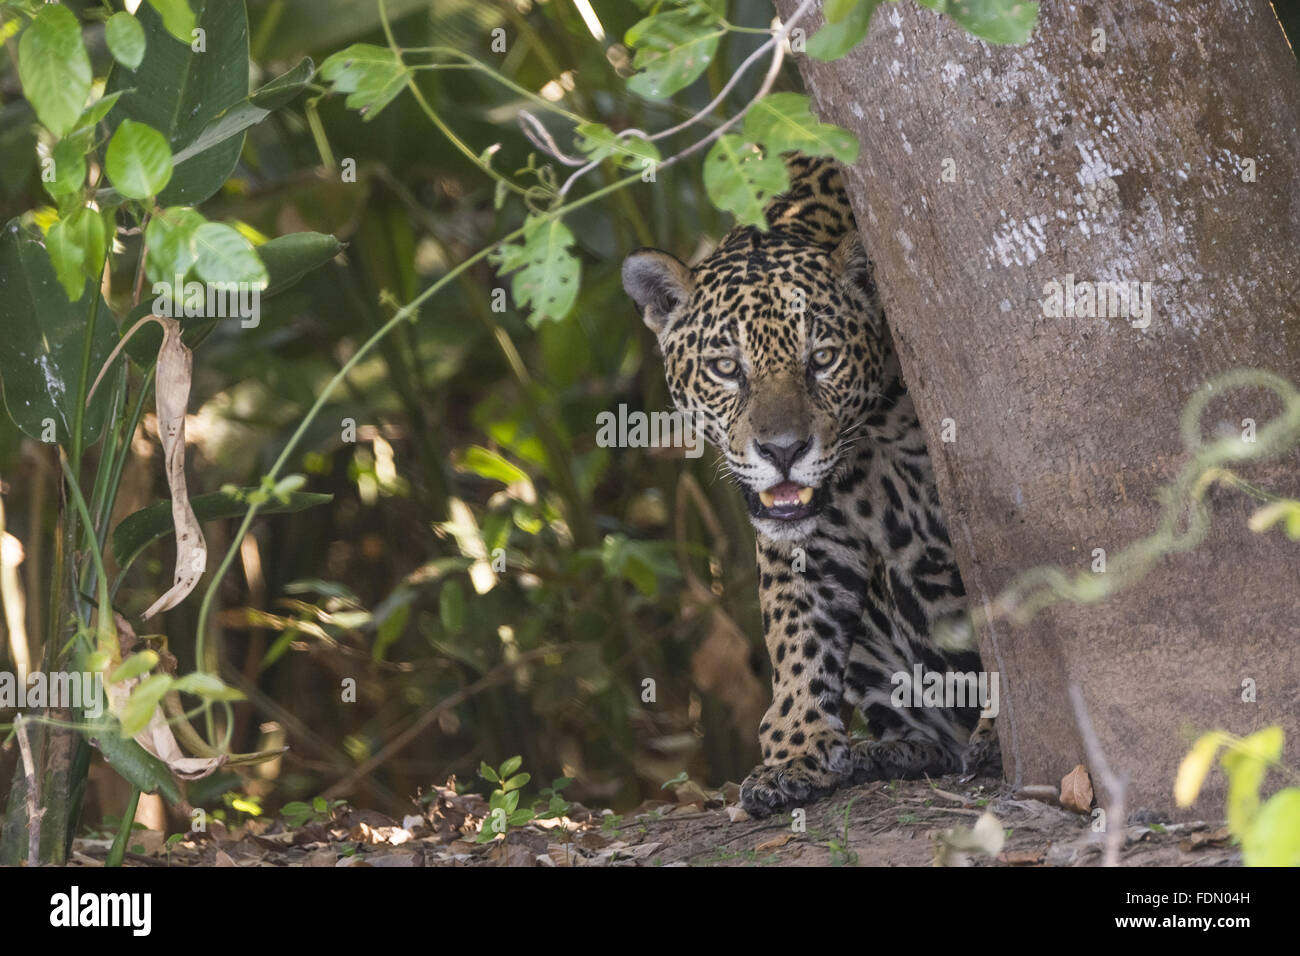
[767, 498]
[805, 495]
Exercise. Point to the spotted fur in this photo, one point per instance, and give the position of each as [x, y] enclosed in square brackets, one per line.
[853, 582]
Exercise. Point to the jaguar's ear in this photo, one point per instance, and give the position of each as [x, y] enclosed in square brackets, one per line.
[658, 283]
[851, 264]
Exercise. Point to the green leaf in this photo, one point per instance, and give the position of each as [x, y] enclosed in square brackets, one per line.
[1274, 838]
[54, 68]
[487, 773]
[672, 50]
[177, 18]
[180, 91]
[517, 782]
[289, 258]
[125, 38]
[69, 158]
[520, 817]
[784, 121]
[485, 463]
[44, 336]
[251, 111]
[68, 258]
[134, 666]
[451, 609]
[837, 10]
[226, 256]
[1246, 764]
[740, 180]
[137, 766]
[207, 686]
[547, 275]
[170, 238]
[371, 76]
[997, 21]
[77, 245]
[841, 35]
[510, 766]
[138, 160]
[141, 529]
[96, 111]
[142, 703]
[599, 142]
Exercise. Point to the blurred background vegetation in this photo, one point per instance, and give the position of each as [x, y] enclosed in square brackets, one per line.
[474, 444]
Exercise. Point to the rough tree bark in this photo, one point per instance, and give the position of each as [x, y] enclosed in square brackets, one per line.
[1123, 164]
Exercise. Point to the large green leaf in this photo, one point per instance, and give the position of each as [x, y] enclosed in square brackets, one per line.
[44, 337]
[137, 531]
[740, 180]
[672, 50]
[180, 92]
[843, 31]
[997, 21]
[251, 111]
[784, 122]
[54, 68]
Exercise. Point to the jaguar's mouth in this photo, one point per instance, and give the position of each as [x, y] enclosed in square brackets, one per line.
[787, 501]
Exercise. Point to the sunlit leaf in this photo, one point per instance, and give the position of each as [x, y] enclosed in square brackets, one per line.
[125, 38]
[54, 68]
[740, 179]
[547, 274]
[672, 50]
[138, 160]
[371, 76]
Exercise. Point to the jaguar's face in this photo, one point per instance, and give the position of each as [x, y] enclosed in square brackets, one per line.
[774, 345]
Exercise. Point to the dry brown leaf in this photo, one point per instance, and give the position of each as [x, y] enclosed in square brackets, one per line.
[560, 854]
[774, 843]
[1076, 790]
[736, 814]
[172, 379]
[224, 859]
[324, 857]
[1023, 857]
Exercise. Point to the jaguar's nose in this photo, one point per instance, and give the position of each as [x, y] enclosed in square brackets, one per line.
[783, 455]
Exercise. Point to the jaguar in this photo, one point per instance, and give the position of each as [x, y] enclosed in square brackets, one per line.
[776, 346]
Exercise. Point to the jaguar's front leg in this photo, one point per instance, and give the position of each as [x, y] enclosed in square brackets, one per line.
[806, 752]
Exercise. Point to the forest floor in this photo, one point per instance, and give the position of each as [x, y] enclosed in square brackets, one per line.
[904, 823]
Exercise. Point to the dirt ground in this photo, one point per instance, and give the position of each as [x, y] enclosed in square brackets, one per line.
[905, 823]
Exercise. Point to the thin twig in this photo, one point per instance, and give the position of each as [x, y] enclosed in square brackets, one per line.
[34, 810]
[1116, 786]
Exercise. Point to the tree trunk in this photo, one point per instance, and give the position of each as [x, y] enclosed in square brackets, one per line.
[1152, 142]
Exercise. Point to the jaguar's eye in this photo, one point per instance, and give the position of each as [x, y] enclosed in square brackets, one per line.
[824, 357]
[724, 367]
